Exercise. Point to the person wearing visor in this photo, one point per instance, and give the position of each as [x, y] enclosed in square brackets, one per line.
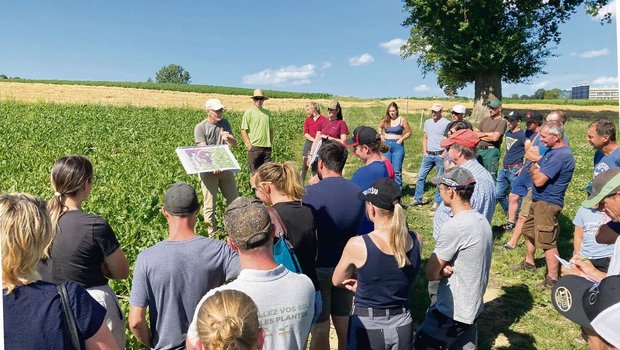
[387, 261]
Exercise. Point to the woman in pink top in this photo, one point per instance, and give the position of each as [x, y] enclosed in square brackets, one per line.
[334, 129]
[313, 124]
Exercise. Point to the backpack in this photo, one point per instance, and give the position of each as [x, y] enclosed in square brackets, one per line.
[283, 252]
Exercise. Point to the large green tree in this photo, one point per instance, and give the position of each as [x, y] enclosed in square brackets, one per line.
[172, 73]
[486, 42]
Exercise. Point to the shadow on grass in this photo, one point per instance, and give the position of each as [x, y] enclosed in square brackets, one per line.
[500, 314]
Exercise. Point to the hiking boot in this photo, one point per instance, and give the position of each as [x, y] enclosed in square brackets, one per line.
[547, 283]
[509, 226]
[523, 266]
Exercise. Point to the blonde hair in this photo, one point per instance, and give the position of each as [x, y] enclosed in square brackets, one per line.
[315, 107]
[283, 176]
[398, 232]
[25, 232]
[228, 320]
[69, 174]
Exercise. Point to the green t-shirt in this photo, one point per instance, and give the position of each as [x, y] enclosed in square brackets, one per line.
[257, 123]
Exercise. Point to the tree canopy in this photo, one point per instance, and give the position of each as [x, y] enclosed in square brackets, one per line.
[486, 41]
[172, 73]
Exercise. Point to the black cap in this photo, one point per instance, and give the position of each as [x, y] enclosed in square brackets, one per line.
[181, 199]
[514, 116]
[363, 135]
[383, 193]
[533, 116]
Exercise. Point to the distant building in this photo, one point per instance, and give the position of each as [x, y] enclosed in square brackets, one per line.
[580, 92]
[606, 93]
[584, 91]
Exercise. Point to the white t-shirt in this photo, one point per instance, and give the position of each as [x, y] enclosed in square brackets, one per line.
[285, 302]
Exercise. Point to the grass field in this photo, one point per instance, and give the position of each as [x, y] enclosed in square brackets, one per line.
[132, 150]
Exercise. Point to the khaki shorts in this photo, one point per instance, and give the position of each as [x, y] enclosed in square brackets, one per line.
[542, 224]
[336, 301]
[526, 202]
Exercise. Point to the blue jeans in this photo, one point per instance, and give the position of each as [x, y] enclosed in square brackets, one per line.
[428, 163]
[396, 154]
[504, 182]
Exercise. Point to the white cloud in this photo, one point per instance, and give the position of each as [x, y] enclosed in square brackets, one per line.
[540, 85]
[605, 81]
[285, 76]
[591, 53]
[326, 65]
[609, 8]
[361, 60]
[422, 87]
[393, 46]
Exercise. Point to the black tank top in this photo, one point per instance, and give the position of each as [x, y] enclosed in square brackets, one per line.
[381, 284]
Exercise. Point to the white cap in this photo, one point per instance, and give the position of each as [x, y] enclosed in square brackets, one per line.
[214, 104]
[437, 107]
[460, 109]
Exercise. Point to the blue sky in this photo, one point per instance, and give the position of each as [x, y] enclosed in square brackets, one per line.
[344, 48]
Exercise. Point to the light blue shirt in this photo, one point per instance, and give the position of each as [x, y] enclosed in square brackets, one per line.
[482, 200]
[590, 220]
[434, 132]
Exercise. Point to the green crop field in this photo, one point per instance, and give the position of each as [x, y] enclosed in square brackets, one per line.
[133, 152]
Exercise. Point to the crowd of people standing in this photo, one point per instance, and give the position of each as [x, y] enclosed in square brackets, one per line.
[357, 254]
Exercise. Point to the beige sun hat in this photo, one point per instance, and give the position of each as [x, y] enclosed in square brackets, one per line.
[259, 93]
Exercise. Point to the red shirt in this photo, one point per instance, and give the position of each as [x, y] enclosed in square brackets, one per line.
[311, 126]
[335, 128]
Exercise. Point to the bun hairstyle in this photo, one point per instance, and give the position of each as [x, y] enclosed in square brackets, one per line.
[69, 174]
[228, 320]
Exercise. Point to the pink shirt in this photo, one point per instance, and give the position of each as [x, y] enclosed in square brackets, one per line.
[311, 126]
[335, 128]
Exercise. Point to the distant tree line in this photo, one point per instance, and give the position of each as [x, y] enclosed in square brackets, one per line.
[542, 94]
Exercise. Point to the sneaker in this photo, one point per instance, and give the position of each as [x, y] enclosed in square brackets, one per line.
[523, 266]
[509, 226]
[434, 207]
[415, 203]
[509, 246]
[547, 283]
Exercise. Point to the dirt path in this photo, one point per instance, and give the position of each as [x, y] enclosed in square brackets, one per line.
[79, 94]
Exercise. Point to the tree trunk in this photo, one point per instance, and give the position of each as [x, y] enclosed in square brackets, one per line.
[487, 86]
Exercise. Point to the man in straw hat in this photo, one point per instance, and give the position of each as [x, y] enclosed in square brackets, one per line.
[285, 300]
[256, 132]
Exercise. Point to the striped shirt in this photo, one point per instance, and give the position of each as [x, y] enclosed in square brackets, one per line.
[483, 198]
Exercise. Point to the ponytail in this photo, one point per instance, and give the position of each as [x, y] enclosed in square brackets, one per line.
[398, 232]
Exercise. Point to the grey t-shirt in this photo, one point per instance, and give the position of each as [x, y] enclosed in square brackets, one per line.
[434, 132]
[466, 242]
[210, 133]
[285, 302]
[171, 277]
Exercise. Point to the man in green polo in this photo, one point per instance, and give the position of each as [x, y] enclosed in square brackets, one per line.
[491, 131]
[256, 132]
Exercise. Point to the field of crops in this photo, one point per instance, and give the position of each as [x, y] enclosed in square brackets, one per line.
[133, 152]
[204, 89]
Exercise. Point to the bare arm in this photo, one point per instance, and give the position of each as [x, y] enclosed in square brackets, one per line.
[489, 136]
[308, 137]
[354, 255]
[407, 133]
[577, 240]
[228, 138]
[538, 179]
[425, 144]
[116, 265]
[102, 340]
[138, 325]
[246, 139]
[436, 269]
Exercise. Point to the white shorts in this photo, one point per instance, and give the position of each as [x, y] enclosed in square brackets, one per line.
[114, 317]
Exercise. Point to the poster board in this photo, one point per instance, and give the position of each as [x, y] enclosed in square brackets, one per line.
[206, 159]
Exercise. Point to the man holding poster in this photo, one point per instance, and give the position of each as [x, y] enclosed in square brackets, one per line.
[215, 130]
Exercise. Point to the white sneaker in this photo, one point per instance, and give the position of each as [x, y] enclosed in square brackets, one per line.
[434, 207]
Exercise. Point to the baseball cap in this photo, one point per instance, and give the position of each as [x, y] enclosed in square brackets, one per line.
[604, 184]
[383, 193]
[363, 135]
[590, 305]
[333, 104]
[463, 137]
[495, 103]
[180, 199]
[460, 109]
[532, 116]
[214, 104]
[457, 177]
[436, 107]
[514, 116]
[247, 223]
